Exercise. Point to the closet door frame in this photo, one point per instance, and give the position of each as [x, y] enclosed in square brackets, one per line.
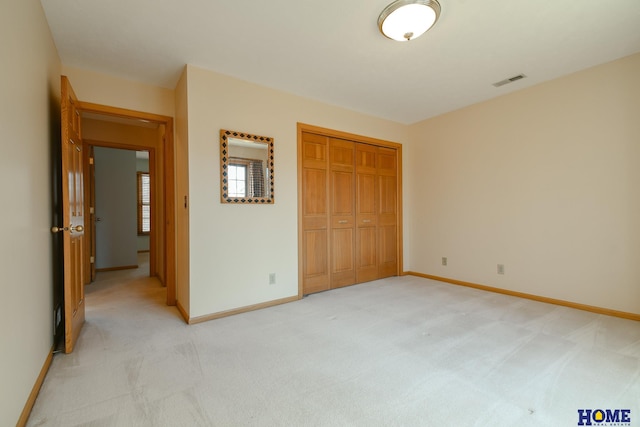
[330, 133]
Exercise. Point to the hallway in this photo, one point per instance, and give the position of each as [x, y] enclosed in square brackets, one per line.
[125, 296]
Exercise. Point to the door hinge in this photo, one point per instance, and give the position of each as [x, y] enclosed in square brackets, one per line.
[91, 210]
[92, 260]
[90, 160]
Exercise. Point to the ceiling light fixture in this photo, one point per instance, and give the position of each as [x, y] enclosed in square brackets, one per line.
[405, 20]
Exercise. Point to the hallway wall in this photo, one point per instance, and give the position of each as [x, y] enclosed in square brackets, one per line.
[116, 206]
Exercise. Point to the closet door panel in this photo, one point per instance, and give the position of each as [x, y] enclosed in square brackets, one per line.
[366, 214]
[387, 251]
[342, 154]
[342, 194]
[388, 196]
[367, 267]
[387, 212]
[316, 272]
[314, 151]
[366, 191]
[315, 195]
[342, 236]
[315, 214]
[386, 161]
[342, 250]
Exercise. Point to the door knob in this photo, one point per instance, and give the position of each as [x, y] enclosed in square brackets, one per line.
[77, 228]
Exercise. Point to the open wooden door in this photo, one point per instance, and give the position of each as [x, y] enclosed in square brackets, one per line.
[73, 216]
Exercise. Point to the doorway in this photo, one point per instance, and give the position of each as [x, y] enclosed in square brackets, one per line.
[120, 195]
[113, 128]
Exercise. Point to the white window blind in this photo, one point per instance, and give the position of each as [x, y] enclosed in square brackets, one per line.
[144, 203]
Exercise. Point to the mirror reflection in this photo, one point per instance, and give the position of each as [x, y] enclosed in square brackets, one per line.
[246, 168]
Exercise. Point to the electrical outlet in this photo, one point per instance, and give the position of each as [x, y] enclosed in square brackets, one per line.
[272, 278]
[500, 268]
[444, 260]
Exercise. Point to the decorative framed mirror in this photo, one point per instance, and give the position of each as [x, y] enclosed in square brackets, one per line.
[246, 168]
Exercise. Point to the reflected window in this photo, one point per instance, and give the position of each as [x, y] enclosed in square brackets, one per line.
[237, 180]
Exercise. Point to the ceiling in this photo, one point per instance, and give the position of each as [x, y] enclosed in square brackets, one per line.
[332, 50]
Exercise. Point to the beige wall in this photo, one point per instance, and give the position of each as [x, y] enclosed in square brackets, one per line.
[544, 181]
[182, 190]
[30, 124]
[234, 248]
[99, 88]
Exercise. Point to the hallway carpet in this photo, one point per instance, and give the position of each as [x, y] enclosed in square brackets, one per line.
[396, 352]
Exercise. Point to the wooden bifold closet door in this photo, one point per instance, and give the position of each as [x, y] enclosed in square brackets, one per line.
[349, 218]
[342, 236]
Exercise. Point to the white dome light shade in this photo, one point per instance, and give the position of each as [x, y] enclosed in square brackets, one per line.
[404, 20]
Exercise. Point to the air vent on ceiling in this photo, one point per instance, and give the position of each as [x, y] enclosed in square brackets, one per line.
[510, 80]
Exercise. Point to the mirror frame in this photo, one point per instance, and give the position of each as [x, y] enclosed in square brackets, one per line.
[224, 167]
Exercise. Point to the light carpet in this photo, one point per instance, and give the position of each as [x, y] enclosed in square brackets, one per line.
[396, 352]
